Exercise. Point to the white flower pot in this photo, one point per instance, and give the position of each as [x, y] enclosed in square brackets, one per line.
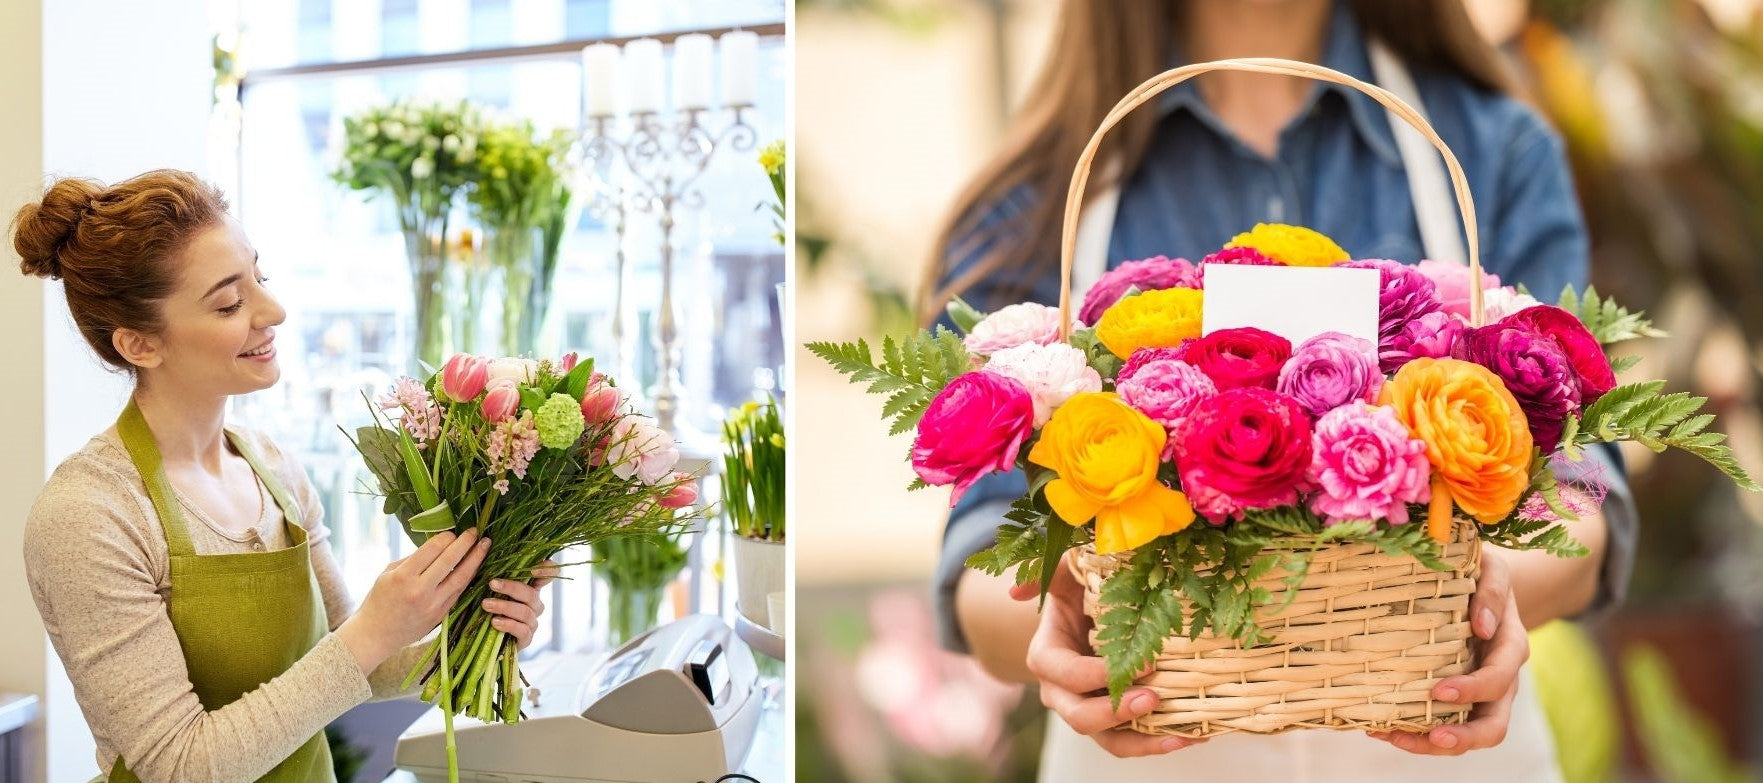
[759, 571]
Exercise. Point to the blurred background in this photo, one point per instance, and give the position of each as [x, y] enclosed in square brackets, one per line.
[1661, 103]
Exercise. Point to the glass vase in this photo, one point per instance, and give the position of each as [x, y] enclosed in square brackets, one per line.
[631, 611]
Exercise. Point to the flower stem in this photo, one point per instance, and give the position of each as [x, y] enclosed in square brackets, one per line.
[447, 711]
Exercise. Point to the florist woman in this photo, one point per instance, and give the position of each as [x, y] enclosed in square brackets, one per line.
[180, 563]
[1214, 157]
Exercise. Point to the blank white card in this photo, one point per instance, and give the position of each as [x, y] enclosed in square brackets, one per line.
[1296, 303]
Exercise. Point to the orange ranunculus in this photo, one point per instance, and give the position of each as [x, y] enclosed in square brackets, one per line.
[1154, 319]
[1475, 433]
[1106, 454]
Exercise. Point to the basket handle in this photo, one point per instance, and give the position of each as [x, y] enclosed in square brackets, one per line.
[1080, 177]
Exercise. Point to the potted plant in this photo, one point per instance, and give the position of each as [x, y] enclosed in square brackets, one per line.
[637, 572]
[753, 497]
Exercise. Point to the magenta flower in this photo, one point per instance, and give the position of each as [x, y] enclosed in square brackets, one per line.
[1534, 368]
[1238, 357]
[975, 426]
[1243, 448]
[1430, 335]
[1143, 356]
[1404, 294]
[1150, 274]
[1366, 465]
[1241, 255]
[1166, 390]
[1330, 370]
[1590, 364]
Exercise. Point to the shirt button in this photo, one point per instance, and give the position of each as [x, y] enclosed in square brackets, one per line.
[257, 546]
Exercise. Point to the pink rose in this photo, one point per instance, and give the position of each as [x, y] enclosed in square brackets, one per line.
[975, 426]
[464, 376]
[1431, 336]
[1243, 448]
[683, 494]
[641, 449]
[1331, 370]
[1366, 465]
[1239, 357]
[1017, 324]
[1587, 357]
[1166, 390]
[1150, 274]
[1051, 373]
[501, 400]
[1452, 282]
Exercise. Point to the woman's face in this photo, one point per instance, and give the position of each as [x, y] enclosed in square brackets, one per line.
[219, 335]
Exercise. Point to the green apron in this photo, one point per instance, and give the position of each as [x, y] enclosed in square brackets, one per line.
[241, 619]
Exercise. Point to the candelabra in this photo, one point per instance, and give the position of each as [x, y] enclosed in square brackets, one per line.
[665, 157]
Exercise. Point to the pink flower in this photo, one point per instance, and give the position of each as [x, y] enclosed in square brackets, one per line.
[1151, 274]
[501, 400]
[1051, 373]
[420, 416]
[1166, 390]
[600, 402]
[1331, 370]
[1241, 255]
[464, 376]
[1017, 324]
[1366, 465]
[641, 449]
[1452, 283]
[1431, 335]
[974, 426]
[1142, 357]
[569, 361]
[1243, 448]
[683, 494]
[1589, 361]
[1239, 357]
[511, 448]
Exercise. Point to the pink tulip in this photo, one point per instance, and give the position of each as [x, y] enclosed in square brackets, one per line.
[464, 376]
[683, 494]
[569, 361]
[600, 403]
[501, 401]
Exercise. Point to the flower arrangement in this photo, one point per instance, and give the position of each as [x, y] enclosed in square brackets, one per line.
[422, 156]
[753, 471]
[1203, 463]
[521, 197]
[773, 160]
[538, 456]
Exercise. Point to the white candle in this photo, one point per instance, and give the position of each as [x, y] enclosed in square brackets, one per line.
[740, 56]
[642, 67]
[691, 71]
[600, 80]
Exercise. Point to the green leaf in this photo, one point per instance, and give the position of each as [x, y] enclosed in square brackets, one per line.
[911, 372]
[1057, 541]
[575, 384]
[434, 520]
[964, 315]
[1135, 621]
[1608, 322]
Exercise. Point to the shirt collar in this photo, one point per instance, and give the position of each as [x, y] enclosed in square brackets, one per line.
[1344, 51]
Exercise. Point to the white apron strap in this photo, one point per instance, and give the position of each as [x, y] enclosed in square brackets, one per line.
[1441, 237]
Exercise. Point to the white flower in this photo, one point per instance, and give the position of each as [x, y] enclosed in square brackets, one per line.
[1052, 373]
[421, 168]
[450, 143]
[1014, 325]
[431, 143]
[370, 130]
[641, 449]
[1499, 302]
[393, 129]
[514, 368]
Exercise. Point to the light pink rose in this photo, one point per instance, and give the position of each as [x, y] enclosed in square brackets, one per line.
[1366, 465]
[1017, 324]
[641, 449]
[1051, 373]
[683, 494]
[1452, 282]
[501, 400]
[1165, 390]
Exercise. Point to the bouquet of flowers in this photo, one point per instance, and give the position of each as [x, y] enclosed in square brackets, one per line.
[539, 456]
[1201, 475]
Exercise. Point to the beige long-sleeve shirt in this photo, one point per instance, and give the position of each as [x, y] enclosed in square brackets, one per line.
[98, 568]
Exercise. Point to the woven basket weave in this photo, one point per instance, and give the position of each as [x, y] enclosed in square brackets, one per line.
[1369, 633]
[1359, 647]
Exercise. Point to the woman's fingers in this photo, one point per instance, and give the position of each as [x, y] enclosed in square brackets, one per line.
[522, 632]
[1093, 715]
[1501, 659]
[527, 595]
[419, 561]
[454, 582]
[543, 573]
[1493, 592]
[1126, 743]
[513, 610]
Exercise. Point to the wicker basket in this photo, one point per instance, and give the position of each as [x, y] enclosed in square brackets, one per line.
[1369, 633]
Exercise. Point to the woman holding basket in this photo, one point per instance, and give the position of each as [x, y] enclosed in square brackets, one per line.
[1179, 177]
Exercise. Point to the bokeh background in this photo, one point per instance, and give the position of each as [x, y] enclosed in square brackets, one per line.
[1661, 103]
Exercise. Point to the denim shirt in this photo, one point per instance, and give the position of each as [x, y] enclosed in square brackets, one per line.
[1337, 170]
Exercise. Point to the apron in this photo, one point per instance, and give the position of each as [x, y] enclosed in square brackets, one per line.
[241, 619]
[1303, 755]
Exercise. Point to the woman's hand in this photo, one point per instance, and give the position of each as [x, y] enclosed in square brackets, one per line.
[1494, 618]
[518, 615]
[1071, 674]
[412, 596]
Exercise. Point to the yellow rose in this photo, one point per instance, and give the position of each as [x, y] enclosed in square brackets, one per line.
[1153, 319]
[1290, 245]
[1106, 454]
